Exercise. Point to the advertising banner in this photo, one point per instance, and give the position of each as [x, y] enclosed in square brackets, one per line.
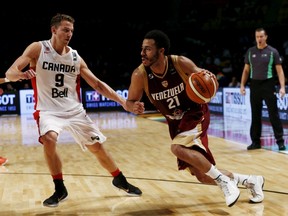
[9, 103]
[235, 104]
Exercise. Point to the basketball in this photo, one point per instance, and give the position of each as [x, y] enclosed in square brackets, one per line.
[201, 87]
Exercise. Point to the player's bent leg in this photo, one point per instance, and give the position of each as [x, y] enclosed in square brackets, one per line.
[201, 177]
[196, 159]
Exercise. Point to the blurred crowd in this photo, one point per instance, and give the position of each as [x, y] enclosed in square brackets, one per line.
[214, 33]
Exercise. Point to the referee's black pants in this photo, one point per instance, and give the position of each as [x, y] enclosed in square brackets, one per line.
[264, 90]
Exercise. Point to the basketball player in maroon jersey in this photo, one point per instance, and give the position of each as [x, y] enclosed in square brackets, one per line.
[162, 77]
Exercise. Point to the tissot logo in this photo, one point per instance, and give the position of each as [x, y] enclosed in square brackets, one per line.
[29, 98]
[7, 99]
[92, 96]
[235, 98]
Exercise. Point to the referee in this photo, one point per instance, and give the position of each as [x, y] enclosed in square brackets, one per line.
[260, 62]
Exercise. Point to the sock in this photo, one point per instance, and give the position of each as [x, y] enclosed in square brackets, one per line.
[116, 172]
[58, 182]
[214, 173]
[240, 178]
[59, 185]
[58, 176]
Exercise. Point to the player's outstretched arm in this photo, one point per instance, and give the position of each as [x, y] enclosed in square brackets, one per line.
[100, 86]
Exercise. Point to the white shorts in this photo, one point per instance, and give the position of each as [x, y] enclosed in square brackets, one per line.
[81, 127]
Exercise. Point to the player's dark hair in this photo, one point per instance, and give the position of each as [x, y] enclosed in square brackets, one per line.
[58, 18]
[160, 38]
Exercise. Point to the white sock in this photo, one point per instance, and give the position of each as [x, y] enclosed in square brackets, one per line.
[214, 173]
[240, 178]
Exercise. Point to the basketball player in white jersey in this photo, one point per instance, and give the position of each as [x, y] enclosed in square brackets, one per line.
[55, 71]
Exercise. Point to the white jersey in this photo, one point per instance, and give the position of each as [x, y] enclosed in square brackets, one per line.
[58, 80]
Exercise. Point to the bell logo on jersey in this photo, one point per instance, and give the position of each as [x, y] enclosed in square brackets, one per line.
[56, 93]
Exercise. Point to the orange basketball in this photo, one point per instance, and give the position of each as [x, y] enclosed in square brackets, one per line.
[201, 87]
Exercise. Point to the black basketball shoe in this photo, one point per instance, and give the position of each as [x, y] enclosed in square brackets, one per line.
[57, 197]
[120, 182]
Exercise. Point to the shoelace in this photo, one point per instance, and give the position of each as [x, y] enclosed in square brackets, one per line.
[251, 188]
[224, 187]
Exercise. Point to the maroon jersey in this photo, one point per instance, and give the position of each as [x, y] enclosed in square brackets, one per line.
[167, 93]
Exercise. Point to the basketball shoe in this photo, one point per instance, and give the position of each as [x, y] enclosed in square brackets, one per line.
[120, 182]
[229, 188]
[255, 185]
[3, 161]
[281, 147]
[254, 146]
[57, 197]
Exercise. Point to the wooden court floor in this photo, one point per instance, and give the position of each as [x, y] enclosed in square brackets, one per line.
[141, 147]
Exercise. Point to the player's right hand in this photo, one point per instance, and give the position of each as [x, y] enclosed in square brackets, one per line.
[138, 107]
[29, 74]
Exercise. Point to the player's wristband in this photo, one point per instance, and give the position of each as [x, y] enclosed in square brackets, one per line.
[7, 80]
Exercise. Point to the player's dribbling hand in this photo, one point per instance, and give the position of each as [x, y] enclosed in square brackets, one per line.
[207, 72]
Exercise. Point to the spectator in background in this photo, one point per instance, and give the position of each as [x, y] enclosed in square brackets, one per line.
[234, 82]
[259, 62]
[9, 87]
[26, 85]
[222, 79]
